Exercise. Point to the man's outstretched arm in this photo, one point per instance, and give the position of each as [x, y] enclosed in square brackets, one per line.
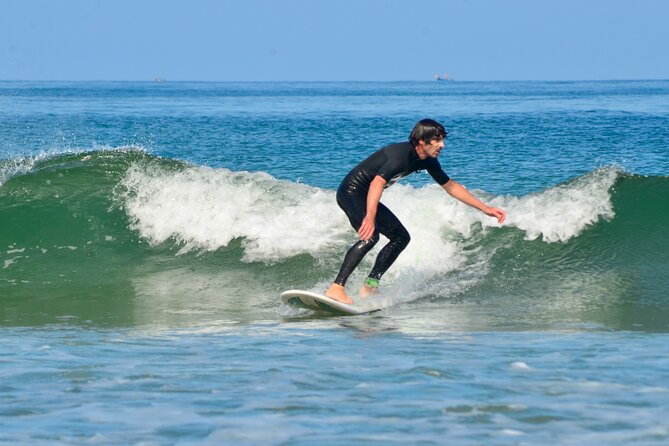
[459, 192]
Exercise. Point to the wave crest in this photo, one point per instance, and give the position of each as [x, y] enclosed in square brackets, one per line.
[205, 209]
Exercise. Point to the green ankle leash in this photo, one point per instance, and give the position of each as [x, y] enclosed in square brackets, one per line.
[374, 283]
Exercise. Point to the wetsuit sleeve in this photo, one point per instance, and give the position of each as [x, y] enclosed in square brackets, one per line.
[436, 172]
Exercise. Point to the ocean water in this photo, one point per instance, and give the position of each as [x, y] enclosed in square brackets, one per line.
[147, 230]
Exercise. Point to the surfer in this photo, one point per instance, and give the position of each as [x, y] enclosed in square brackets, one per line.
[360, 191]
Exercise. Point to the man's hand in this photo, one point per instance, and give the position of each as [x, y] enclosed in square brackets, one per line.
[366, 229]
[459, 192]
[499, 214]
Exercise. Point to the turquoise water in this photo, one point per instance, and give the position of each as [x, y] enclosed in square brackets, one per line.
[146, 231]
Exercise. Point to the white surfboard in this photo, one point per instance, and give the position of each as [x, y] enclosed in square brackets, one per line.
[314, 301]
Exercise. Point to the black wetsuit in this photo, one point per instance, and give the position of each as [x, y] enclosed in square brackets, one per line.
[391, 163]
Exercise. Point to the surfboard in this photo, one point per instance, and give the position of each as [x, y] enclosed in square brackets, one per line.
[315, 301]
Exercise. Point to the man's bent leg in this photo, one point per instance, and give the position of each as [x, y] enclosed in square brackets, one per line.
[390, 226]
[353, 258]
[389, 254]
[354, 206]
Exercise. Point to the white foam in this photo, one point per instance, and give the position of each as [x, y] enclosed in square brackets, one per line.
[520, 365]
[205, 209]
[562, 212]
[438, 224]
[10, 262]
[512, 432]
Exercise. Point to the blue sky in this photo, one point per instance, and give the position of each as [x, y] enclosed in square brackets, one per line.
[333, 40]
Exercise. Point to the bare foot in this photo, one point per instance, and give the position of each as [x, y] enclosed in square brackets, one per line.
[367, 291]
[338, 293]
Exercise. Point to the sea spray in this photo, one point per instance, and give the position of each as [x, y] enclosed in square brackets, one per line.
[205, 209]
[562, 212]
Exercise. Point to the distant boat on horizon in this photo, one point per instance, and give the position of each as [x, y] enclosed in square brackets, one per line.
[443, 77]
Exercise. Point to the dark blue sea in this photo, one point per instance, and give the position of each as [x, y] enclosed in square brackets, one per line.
[147, 230]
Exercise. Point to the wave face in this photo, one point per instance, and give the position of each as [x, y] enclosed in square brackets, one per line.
[124, 237]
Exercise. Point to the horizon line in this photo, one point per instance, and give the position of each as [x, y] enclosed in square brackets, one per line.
[161, 80]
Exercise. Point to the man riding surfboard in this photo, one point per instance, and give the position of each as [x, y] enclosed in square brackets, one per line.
[359, 197]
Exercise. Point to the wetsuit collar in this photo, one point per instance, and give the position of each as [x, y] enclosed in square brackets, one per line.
[414, 154]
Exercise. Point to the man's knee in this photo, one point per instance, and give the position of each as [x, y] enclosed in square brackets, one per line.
[402, 238]
[366, 245]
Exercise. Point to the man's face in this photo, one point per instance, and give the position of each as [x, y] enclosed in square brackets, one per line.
[432, 148]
